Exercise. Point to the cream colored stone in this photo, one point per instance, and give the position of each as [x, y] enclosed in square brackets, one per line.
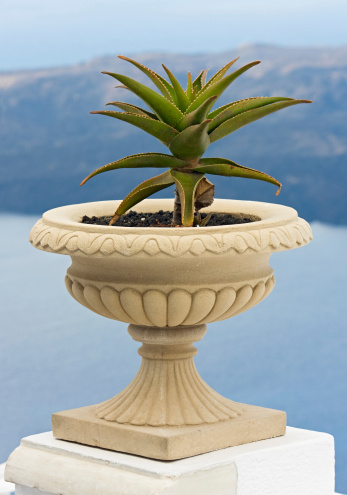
[168, 442]
[167, 390]
[168, 412]
[167, 283]
[159, 277]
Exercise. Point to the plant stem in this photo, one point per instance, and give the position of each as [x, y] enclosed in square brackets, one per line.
[177, 216]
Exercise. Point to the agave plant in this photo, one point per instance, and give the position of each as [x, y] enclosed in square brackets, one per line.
[183, 120]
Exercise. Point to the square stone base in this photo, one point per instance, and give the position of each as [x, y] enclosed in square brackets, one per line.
[171, 442]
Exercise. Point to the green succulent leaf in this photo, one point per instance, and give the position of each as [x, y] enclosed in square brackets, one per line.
[163, 86]
[204, 221]
[220, 74]
[227, 168]
[156, 128]
[218, 87]
[191, 143]
[187, 184]
[181, 97]
[163, 108]
[242, 106]
[142, 191]
[199, 82]
[216, 112]
[234, 123]
[127, 107]
[189, 91]
[155, 160]
[196, 116]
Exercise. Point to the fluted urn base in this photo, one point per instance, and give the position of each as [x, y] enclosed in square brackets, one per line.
[168, 412]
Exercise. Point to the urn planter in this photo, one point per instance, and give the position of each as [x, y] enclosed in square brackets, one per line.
[168, 283]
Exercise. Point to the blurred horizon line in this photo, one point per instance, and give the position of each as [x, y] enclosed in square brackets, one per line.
[242, 46]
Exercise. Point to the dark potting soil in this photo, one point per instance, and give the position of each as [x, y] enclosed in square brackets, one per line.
[164, 219]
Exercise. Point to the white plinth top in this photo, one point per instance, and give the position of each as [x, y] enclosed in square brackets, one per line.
[300, 463]
[162, 469]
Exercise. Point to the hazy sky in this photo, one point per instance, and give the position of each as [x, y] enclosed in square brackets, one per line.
[41, 33]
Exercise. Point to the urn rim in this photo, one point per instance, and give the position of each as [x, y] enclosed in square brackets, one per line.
[70, 217]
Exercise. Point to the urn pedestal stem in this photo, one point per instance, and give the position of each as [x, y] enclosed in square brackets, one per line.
[168, 412]
[168, 391]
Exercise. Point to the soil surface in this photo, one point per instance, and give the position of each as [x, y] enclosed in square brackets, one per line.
[164, 219]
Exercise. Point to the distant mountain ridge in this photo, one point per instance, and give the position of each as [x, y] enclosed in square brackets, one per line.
[49, 142]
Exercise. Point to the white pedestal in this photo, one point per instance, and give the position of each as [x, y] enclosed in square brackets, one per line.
[5, 488]
[300, 463]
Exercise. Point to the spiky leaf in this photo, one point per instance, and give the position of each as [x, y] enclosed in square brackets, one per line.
[217, 111]
[227, 168]
[181, 97]
[218, 87]
[242, 106]
[196, 116]
[186, 184]
[127, 107]
[156, 128]
[163, 86]
[191, 143]
[163, 108]
[142, 160]
[199, 82]
[219, 75]
[142, 191]
[189, 90]
[245, 118]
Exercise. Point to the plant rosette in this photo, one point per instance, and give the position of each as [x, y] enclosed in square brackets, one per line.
[183, 121]
[167, 284]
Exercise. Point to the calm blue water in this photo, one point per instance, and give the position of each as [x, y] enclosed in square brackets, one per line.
[287, 353]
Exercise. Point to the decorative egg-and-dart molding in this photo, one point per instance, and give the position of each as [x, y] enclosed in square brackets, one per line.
[168, 283]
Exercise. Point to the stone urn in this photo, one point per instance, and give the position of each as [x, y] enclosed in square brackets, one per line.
[168, 283]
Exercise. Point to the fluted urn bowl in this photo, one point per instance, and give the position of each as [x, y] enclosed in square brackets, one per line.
[167, 283]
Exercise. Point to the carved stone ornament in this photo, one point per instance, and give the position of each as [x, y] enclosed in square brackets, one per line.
[168, 283]
[60, 231]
